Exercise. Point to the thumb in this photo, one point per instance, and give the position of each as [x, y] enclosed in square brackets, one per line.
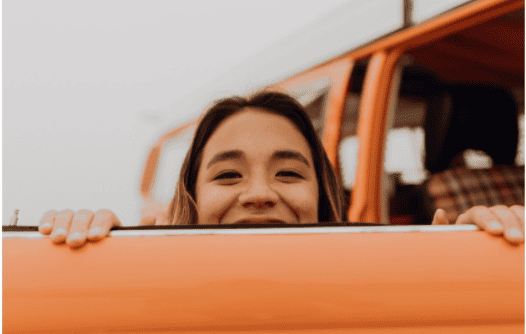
[440, 218]
[162, 218]
[153, 213]
[147, 221]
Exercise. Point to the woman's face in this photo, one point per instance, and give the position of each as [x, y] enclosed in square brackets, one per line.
[257, 168]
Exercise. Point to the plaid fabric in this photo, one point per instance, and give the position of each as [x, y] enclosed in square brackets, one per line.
[458, 189]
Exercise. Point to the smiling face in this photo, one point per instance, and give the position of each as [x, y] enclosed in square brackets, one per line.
[256, 168]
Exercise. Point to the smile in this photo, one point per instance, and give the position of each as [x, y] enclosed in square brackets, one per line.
[260, 221]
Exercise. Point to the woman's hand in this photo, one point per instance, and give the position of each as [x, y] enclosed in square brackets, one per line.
[76, 228]
[154, 213]
[497, 220]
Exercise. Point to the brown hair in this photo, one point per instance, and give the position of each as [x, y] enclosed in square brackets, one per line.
[183, 208]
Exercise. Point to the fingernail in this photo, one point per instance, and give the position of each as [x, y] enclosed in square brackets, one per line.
[75, 239]
[75, 235]
[96, 232]
[59, 235]
[494, 226]
[514, 234]
[59, 231]
[45, 227]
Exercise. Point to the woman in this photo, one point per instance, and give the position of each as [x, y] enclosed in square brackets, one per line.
[257, 160]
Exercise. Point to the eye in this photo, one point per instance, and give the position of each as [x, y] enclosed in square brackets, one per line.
[289, 174]
[228, 176]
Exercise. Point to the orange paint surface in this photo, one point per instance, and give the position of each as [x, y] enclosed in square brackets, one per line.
[373, 282]
[333, 113]
[451, 22]
[366, 194]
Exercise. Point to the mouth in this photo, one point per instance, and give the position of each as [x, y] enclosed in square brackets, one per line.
[260, 221]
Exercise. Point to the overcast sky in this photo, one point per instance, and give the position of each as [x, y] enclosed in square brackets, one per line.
[89, 86]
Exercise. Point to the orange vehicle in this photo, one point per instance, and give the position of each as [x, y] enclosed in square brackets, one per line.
[369, 277]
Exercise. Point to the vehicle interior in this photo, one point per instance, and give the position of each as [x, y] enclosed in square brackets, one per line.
[480, 71]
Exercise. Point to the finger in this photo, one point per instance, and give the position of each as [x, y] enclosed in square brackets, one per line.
[518, 210]
[47, 221]
[102, 223]
[161, 219]
[483, 217]
[440, 218]
[153, 213]
[78, 231]
[510, 223]
[61, 226]
[147, 221]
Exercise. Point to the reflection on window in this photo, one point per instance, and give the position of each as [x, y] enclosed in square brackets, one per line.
[404, 154]
[349, 160]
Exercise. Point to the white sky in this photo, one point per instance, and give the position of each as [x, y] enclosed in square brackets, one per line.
[89, 86]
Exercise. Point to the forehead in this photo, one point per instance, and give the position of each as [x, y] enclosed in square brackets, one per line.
[257, 131]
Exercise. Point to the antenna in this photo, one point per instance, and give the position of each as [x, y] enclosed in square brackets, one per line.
[14, 219]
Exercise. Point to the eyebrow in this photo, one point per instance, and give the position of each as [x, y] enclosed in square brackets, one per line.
[290, 154]
[237, 154]
[226, 155]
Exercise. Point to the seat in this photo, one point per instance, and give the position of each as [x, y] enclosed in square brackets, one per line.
[462, 117]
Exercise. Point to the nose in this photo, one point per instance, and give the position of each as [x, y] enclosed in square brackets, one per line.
[259, 195]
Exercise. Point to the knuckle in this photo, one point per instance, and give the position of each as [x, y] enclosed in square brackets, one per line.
[83, 215]
[461, 219]
[480, 213]
[499, 207]
[501, 211]
[50, 213]
[479, 208]
[104, 214]
[48, 218]
[65, 214]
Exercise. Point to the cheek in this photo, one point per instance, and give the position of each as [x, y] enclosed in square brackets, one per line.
[212, 202]
[304, 200]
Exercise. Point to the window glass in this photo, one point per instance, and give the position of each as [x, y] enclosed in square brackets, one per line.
[404, 154]
[519, 160]
[445, 76]
[518, 94]
[349, 144]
